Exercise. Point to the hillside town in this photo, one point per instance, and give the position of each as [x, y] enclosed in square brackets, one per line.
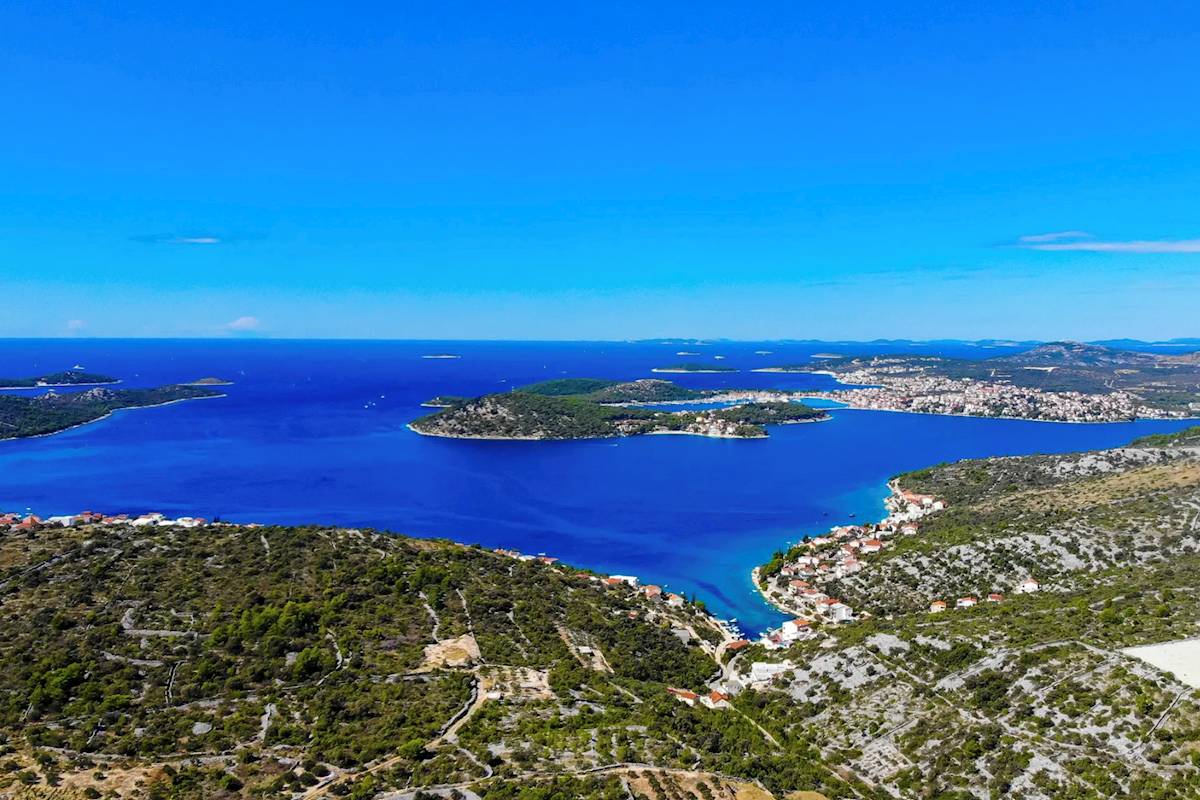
[885, 390]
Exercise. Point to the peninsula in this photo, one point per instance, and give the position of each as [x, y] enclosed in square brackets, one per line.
[22, 417]
[58, 379]
[585, 408]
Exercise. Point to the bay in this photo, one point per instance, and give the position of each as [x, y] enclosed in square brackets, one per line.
[314, 432]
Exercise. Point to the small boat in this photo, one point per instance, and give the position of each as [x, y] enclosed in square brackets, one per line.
[76, 367]
[853, 515]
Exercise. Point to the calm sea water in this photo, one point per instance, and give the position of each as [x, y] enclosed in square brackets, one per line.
[313, 432]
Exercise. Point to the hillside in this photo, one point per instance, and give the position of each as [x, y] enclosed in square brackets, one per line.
[1035, 694]
[22, 417]
[227, 661]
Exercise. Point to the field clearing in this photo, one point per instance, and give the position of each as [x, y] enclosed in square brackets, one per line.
[1182, 659]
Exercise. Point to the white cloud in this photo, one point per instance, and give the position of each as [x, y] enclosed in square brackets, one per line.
[76, 325]
[1161, 246]
[1054, 237]
[245, 324]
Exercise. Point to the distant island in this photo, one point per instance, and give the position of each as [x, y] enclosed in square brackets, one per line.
[691, 367]
[585, 408]
[209, 382]
[56, 379]
[442, 355]
[24, 417]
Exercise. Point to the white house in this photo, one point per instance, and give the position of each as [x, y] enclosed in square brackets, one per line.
[839, 612]
[795, 628]
[967, 602]
[629, 579]
[1029, 586]
[762, 672]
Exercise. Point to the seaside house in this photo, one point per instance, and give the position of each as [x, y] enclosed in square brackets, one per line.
[851, 566]
[838, 611]
[675, 601]
[684, 696]
[797, 587]
[795, 629]
[908, 529]
[1029, 586]
[937, 607]
[629, 579]
[653, 592]
[967, 602]
[872, 546]
[995, 598]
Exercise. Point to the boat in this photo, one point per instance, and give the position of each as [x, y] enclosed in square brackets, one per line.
[76, 367]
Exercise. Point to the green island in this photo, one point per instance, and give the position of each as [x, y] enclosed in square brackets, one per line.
[693, 367]
[584, 408]
[68, 378]
[22, 417]
[1018, 642]
[210, 382]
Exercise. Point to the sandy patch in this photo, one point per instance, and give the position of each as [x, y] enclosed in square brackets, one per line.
[459, 652]
[1182, 659]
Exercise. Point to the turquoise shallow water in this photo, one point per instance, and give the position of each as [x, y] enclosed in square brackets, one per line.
[314, 432]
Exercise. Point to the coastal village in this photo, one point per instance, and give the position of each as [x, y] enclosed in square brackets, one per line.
[803, 585]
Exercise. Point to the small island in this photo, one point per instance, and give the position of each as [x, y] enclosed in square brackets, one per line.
[692, 367]
[57, 379]
[24, 417]
[584, 408]
[445, 401]
[209, 382]
[785, 368]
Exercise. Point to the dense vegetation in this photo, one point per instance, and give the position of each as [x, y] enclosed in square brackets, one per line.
[68, 378]
[258, 662]
[521, 415]
[517, 415]
[769, 413]
[56, 411]
[567, 386]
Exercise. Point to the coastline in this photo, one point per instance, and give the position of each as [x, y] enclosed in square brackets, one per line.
[583, 438]
[695, 371]
[106, 416]
[61, 386]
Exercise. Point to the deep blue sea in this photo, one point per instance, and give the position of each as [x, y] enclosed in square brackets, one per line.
[313, 432]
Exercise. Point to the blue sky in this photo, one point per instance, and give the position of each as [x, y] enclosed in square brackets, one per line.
[600, 171]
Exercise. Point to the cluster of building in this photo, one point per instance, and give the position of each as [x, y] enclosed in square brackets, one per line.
[838, 554]
[934, 394]
[1028, 586]
[29, 521]
[715, 700]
